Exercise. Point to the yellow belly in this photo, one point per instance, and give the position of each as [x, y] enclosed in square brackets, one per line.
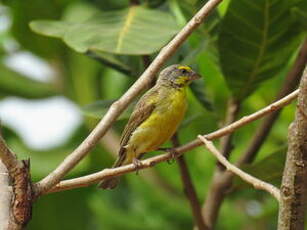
[159, 127]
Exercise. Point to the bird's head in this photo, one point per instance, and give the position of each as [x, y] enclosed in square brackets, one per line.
[178, 76]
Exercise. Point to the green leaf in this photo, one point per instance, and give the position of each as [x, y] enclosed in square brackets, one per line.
[129, 65]
[22, 12]
[135, 31]
[198, 89]
[50, 28]
[191, 55]
[256, 41]
[99, 108]
[78, 12]
[269, 169]
[301, 16]
[15, 84]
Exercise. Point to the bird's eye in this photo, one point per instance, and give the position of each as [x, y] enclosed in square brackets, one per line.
[184, 71]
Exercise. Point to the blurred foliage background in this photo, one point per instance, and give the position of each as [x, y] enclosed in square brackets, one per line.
[94, 50]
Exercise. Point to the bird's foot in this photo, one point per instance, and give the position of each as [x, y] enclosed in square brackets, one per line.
[172, 152]
[137, 164]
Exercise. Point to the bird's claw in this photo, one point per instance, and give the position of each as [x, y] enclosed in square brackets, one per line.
[137, 164]
[172, 152]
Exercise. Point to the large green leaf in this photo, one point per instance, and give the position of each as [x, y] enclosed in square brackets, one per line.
[82, 11]
[256, 41]
[135, 30]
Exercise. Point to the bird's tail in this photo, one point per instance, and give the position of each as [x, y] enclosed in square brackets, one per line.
[111, 183]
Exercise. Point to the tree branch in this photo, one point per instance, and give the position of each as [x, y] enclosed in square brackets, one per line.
[119, 106]
[189, 189]
[134, 2]
[8, 158]
[215, 196]
[150, 162]
[6, 197]
[258, 184]
[294, 183]
[20, 199]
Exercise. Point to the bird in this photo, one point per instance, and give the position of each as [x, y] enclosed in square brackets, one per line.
[155, 118]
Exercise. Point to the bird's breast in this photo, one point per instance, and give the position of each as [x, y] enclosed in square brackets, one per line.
[162, 123]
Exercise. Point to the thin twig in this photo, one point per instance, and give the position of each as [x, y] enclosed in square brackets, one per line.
[258, 184]
[119, 106]
[189, 188]
[215, 196]
[150, 162]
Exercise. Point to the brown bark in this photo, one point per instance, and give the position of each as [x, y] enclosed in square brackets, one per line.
[5, 197]
[294, 183]
[16, 190]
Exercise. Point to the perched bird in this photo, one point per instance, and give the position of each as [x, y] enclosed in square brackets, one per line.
[155, 118]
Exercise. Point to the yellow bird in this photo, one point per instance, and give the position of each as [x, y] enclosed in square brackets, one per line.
[155, 118]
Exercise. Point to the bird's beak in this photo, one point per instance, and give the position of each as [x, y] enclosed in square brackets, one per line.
[195, 76]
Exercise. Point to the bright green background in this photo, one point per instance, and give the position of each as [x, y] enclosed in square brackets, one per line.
[244, 50]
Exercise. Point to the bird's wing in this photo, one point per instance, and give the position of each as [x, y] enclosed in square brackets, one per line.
[141, 112]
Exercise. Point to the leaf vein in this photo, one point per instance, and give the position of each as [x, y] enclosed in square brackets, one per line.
[124, 30]
[263, 45]
[244, 21]
[240, 39]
